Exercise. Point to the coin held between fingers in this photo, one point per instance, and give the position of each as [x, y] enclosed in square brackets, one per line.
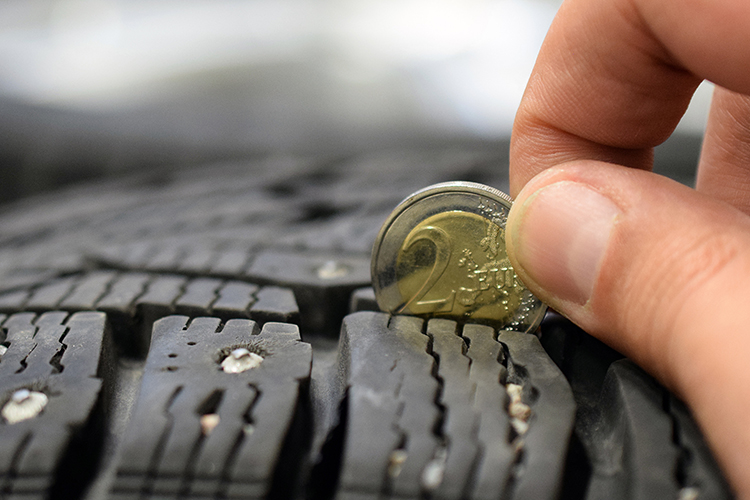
[441, 253]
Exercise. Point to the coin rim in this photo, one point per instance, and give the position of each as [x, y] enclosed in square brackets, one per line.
[452, 187]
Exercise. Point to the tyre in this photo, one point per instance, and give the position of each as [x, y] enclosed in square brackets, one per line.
[211, 333]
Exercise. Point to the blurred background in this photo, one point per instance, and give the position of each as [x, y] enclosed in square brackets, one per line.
[91, 88]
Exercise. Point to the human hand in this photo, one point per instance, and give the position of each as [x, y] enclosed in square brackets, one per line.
[659, 271]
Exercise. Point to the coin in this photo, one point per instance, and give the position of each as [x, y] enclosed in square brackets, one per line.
[441, 253]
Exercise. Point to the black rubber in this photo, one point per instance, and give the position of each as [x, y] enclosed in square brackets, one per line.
[430, 418]
[66, 358]
[165, 452]
[120, 300]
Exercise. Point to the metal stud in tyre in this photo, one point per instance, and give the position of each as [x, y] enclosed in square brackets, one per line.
[200, 431]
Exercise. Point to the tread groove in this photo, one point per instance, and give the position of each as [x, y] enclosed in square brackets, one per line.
[460, 426]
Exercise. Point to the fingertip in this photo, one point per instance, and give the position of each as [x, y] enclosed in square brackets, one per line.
[559, 233]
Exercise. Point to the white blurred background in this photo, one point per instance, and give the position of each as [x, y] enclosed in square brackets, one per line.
[127, 81]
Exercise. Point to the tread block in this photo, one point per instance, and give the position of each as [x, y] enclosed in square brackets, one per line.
[363, 299]
[392, 410]
[47, 297]
[122, 293]
[697, 467]
[59, 356]
[275, 304]
[391, 404]
[165, 259]
[229, 263]
[14, 300]
[199, 295]
[545, 445]
[128, 256]
[428, 414]
[198, 260]
[199, 431]
[16, 277]
[322, 285]
[633, 420]
[234, 299]
[88, 291]
[135, 301]
[162, 293]
[633, 438]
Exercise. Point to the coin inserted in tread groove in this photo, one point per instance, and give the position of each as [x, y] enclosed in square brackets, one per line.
[441, 252]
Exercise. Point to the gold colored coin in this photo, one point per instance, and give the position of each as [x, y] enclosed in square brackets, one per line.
[442, 253]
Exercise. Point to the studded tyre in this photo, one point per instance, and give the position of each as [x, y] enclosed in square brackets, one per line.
[211, 333]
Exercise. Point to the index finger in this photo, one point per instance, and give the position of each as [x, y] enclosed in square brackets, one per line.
[614, 77]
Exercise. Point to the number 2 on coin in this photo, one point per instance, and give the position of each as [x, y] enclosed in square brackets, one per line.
[442, 243]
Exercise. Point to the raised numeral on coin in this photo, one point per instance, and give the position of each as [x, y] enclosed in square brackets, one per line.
[442, 243]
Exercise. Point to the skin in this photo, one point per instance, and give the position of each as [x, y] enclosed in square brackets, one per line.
[671, 285]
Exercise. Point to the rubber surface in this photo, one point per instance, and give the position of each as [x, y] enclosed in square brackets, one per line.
[121, 299]
[168, 448]
[431, 418]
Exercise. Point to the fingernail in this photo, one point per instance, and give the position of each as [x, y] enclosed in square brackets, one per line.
[560, 235]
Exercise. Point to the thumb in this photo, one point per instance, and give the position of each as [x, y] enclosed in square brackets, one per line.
[658, 271]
